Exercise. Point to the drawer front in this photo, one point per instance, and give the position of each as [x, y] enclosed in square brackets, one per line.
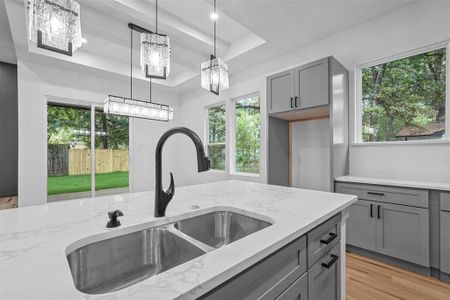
[297, 291]
[324, 277]
[394, 195]
[268, 278]
[445, 242]
[445, 201]
[322, 238]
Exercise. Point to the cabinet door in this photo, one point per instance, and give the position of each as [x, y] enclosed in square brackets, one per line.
[361, 225]
[297, 291]
[324, 277]
[311, 84]
[403, 232]
[445, 242]
[280, 90]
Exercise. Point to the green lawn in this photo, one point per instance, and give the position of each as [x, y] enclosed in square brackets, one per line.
[82, 183]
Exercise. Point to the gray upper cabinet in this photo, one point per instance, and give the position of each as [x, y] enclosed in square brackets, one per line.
[299, 88]
[280, 91]
[361, 225]
[403, 232]
[311, 84]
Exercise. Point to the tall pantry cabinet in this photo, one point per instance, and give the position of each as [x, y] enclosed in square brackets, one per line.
[307, 113]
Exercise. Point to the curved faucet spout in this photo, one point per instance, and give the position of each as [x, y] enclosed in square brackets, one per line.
[162, 198]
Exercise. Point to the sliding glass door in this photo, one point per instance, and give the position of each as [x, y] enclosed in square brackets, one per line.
[111, 154]
[74, 169]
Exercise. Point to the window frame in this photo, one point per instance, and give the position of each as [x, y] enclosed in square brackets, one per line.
[92, 107]
[357, 138]
[233, 132]
[207, 143]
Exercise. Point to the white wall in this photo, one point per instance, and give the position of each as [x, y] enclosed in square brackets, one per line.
[419, 24]
[36, 81]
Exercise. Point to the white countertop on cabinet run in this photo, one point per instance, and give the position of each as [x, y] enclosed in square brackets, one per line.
[34, 240]
[427, 185]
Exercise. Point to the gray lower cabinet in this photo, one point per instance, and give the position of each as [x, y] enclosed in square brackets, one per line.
[324, 277]
[403, 233]
[267, 279]
[297, 291]
[398, 231]
[285, 275]
[445, 241]
[361, 226]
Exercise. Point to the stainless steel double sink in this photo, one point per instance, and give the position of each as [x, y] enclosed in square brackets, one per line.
[115, 263]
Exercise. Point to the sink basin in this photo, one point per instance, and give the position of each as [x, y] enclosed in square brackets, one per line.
[220, 228]
[118, 262]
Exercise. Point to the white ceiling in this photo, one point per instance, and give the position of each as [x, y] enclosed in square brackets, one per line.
[250, 32]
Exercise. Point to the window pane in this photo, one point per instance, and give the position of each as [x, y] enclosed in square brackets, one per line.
[68, 152]
[405, 99]
[247, 135]
[111, 154]
[216, 137]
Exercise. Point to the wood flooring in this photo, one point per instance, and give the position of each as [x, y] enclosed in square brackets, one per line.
[368, 279]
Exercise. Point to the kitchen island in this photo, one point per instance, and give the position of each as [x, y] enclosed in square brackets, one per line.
[35, 241]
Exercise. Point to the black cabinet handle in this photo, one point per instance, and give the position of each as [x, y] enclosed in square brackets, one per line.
[295, 102]
[292, 99]
[379, 211]
[375, 193]
[371, 210]
[328, 265]
[330, 239]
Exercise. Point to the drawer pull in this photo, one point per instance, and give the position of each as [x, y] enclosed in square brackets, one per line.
[375, 194]
[379, 211]
[371, 210]
[328, 265]
[330, 239]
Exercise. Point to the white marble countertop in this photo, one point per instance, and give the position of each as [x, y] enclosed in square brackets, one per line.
[34, 240]
[427, 185]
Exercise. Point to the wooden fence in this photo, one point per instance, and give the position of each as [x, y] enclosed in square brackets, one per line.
[64, 161]
[106, 161]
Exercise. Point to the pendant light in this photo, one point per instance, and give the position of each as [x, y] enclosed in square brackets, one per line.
[55, 25]
[214, 72]
[155, 52]
[135, 108]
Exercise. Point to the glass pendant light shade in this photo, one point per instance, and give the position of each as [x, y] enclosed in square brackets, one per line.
[214, 75]
[155, 55]
[137, 108]
[55, 25]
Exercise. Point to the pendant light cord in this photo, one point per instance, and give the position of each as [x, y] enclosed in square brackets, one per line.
[156, 12]
[131, 63]
[214, 28]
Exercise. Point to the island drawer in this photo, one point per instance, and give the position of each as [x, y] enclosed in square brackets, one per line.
[324, 280]
[268, 278]
[394, 195]
[445, 201]
[323, 238]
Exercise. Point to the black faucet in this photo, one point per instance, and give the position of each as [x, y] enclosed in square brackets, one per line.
[162, 198]
[113, 218]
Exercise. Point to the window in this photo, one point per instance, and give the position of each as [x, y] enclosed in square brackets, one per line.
[247, 135]
[216, 136]
[70, 155]
[404, 99]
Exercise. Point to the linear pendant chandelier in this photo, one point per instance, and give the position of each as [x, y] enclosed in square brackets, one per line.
[214, 72]
[135, 108]
[155, 52]
[55, 25]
